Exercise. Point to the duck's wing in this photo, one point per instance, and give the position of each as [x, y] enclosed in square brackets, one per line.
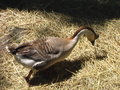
[42, 50]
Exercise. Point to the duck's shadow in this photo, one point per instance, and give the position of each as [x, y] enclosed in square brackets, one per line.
[59, 72]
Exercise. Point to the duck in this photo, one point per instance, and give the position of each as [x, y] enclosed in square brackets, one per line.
[42, 53]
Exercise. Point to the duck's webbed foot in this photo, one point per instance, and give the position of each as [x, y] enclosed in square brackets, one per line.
[28, 77]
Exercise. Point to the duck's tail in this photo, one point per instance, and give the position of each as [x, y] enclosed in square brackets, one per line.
[11, 49]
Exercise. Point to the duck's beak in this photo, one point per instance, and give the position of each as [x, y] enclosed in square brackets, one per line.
[93, 43]
[97, 36]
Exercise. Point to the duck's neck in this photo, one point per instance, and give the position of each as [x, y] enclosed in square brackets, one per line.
[78, 33]
[83, 31]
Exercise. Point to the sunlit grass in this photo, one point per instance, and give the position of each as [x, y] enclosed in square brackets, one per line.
[87, 68]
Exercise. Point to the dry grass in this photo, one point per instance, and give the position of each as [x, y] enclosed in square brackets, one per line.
[87, 68]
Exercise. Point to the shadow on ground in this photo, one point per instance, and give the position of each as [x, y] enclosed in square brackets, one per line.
[62, 71]
[59, 72]
[16, 33]
[94, 11]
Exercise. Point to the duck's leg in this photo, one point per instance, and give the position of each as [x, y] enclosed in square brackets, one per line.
[36, 67]
[28, 76]
[40, 65]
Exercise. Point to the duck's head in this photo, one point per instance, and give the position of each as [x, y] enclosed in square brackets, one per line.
[91, 34]
[88, 32]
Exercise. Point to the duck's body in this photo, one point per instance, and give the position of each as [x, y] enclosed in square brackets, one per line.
[44, 52]
[49, 51]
